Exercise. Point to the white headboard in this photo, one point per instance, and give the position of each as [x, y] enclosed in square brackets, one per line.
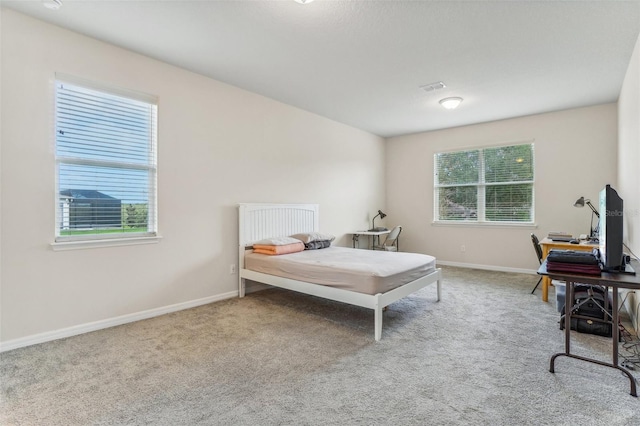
[259, 221]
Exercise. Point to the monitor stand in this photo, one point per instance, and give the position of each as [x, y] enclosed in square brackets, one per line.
[623, 269]
[628, 269]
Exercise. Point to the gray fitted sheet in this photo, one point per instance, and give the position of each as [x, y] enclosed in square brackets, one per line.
[362, 271]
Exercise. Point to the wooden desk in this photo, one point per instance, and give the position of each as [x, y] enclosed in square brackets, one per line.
[372, 235]
[616, 282]
[547, 245]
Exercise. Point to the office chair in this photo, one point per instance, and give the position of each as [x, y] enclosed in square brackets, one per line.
[538, 249]
[391, 242]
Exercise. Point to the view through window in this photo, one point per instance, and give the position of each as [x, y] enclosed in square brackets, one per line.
[106, 163]
[485, 185]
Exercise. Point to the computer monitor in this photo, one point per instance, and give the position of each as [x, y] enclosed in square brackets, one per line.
[612, 258]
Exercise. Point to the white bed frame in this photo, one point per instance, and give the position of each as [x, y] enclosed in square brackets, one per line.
[259, 221]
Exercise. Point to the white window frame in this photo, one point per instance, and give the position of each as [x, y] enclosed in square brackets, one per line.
[69, 242]
[481, 186]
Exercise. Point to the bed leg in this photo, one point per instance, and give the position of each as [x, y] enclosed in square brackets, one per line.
[439, 289]
[241, 287]
[378, 322]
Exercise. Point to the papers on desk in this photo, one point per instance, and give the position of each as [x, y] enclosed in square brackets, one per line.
[560, 236]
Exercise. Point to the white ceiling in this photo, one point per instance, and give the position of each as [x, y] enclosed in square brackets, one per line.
[362, 62]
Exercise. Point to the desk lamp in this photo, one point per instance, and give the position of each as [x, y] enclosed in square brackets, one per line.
[580, 202]
[373, 222]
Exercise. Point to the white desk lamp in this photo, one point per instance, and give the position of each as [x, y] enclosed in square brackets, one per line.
[580, 202]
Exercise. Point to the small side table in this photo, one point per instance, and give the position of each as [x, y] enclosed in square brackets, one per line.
[616, 282]
[371, 235]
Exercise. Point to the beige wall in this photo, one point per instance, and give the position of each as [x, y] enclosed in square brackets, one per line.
[629, 162]
[218, 146]
[575, 155]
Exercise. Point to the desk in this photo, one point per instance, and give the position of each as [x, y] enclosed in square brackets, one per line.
[547, 245]
[616, 282]
[371, 235]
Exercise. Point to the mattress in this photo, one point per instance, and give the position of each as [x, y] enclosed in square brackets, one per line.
[362, 271]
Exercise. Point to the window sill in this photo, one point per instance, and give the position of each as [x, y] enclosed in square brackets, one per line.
[485, 224]
[112, 242]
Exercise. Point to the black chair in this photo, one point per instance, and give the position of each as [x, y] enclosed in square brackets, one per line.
[538, 249]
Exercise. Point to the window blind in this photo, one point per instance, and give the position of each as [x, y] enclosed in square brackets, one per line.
[106, 164]
[485, 185]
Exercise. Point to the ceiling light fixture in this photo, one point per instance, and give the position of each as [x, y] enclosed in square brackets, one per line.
[450, 103]
[304, 1]
[52, 4]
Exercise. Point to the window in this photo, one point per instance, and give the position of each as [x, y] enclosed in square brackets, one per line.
[105, 161]
[488, 185]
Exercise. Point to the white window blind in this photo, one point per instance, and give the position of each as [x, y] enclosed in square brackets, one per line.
[106, 163]
[485, 185]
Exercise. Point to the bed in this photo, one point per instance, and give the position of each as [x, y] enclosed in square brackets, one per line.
[347, 275]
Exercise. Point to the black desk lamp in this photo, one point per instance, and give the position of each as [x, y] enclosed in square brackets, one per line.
[580, 202]
[373, 222]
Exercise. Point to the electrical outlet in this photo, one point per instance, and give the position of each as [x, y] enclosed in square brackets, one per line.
[463, 248]
[232, 268]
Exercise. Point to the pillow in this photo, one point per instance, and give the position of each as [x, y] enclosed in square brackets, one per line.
[277, 241]
[316, 245]
[282, 249]
[307, 237]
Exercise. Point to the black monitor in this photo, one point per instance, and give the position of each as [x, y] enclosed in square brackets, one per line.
[612, 258]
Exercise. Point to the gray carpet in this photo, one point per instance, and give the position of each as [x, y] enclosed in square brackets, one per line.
[478, 357]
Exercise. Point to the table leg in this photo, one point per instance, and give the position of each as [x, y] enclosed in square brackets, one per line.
[546, 282]
[615, 332]
[568, 302]
[568, 307]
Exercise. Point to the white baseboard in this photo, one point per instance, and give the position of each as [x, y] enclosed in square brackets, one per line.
[110, 322]
[488, 267]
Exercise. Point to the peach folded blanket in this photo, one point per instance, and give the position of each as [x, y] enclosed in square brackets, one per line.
[274, 250]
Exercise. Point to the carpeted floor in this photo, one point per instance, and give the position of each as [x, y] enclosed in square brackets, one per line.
[478, 357]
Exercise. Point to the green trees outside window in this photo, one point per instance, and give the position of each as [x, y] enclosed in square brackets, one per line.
[485, 185]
